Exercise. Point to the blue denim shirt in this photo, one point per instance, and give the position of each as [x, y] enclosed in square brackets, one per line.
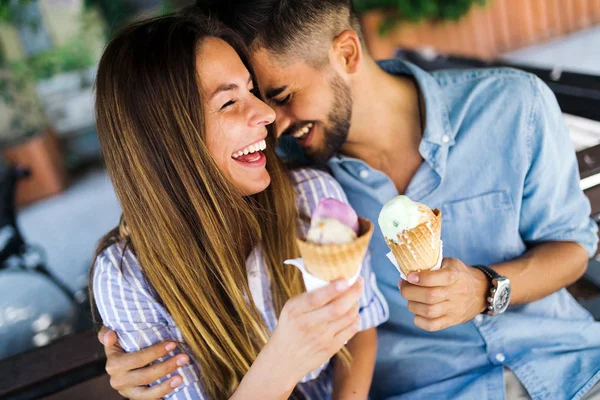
[499, 163]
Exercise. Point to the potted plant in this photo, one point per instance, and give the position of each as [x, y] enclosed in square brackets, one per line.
[26, 138]
[389, 24]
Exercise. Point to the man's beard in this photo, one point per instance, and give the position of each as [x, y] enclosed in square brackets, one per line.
[336, 133]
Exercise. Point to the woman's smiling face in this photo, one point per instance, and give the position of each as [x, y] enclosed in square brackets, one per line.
[235, 118]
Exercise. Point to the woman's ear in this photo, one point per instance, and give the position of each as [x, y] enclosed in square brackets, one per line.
[347, 51]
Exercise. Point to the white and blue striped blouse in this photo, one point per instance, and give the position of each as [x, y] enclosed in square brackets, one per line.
[130, 306]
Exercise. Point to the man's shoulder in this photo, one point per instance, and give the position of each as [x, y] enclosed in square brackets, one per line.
[510, 78]
[489, 87]
[503, 98]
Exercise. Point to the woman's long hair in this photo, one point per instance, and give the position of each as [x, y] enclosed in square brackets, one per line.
[192, 231]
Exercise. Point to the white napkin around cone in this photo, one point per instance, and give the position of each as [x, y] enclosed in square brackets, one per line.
[438, 265]
[312, 282]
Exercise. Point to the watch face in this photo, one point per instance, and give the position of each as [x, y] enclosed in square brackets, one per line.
[501, 299]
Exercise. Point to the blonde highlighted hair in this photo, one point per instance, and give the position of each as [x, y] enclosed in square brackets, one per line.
[191, 229]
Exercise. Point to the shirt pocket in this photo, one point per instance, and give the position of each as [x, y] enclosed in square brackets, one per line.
[481, 229]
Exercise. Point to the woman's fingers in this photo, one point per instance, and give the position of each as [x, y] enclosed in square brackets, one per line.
[347, 319]
[343, 336]
[320, 297]
[338, 308]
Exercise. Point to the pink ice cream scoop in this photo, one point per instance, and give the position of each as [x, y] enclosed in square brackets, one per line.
[333, 222]
[332, 208]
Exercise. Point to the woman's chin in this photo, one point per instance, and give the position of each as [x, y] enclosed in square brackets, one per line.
[254, 183]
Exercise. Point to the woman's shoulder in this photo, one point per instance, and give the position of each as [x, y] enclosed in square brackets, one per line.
[300, 175]
[316, 182]
[312, 185]
[118, 261]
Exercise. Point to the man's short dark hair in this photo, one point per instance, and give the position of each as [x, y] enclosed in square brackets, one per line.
[285, 28]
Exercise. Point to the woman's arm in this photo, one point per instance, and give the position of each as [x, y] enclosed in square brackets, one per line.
[354, 381]
[312, 328]
[126, 305]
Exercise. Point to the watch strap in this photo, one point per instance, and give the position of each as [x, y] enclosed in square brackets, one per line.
[490, 273]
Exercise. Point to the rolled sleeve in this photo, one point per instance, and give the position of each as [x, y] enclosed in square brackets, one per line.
[554, 206]
[373, 307]
[127, 307]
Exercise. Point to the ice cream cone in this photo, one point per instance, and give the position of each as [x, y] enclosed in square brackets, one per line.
[337, 261]
[418, 249]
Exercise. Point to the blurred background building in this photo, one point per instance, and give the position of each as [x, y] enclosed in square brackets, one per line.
[49, 50]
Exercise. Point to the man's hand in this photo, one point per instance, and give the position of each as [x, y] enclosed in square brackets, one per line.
[130, 374]
[452, 295]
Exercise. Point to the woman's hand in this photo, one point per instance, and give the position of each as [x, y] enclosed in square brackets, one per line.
[312, 328]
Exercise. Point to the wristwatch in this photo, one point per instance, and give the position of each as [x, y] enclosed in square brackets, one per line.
[499, 296]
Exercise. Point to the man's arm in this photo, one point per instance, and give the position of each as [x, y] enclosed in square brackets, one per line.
[130, 373]
[543, 270]
[456, 293]
[553, 222]
[354, 381]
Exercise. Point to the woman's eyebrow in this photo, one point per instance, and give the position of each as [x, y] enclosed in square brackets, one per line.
[227, 87]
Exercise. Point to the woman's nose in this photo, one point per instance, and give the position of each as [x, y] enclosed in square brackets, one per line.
[262, 114]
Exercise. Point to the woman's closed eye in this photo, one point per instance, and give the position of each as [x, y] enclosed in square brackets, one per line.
[229, 103]
[254, 92]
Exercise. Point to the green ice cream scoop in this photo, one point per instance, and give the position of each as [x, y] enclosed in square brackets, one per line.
[400, 214]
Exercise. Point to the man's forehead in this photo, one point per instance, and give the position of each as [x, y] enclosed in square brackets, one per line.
[274, 72]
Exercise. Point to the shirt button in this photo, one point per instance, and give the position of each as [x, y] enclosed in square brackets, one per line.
[500, 357]
[364, 174]
[445, 139]
[479, 318]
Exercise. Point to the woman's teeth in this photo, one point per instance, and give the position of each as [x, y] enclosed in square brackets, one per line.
[302, 132]
[253, 148]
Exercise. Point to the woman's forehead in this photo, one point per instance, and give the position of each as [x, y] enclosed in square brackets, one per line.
[217, 62]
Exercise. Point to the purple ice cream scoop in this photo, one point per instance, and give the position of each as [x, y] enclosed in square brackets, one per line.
[332, 208]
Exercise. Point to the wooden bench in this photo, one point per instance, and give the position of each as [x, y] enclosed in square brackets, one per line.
[70, 368]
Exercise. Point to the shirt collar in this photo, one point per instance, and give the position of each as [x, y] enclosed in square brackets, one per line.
[438, 135]
[437, 128]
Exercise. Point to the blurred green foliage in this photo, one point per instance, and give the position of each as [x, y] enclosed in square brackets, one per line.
[117, 12]
[73, 56]
[396, 11]
[11, 10]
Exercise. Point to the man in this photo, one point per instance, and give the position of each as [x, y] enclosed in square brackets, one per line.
[490, 150]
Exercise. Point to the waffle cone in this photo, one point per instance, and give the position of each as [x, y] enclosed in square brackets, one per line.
[337, 261]
[424, 242]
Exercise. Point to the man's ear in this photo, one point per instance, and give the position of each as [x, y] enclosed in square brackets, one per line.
[347, 51]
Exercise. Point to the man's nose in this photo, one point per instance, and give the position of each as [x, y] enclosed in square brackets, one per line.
[282, 121]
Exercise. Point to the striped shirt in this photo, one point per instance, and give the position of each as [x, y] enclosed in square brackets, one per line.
[130, 306]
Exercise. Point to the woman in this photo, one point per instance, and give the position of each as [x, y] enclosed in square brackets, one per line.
[210, 218]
